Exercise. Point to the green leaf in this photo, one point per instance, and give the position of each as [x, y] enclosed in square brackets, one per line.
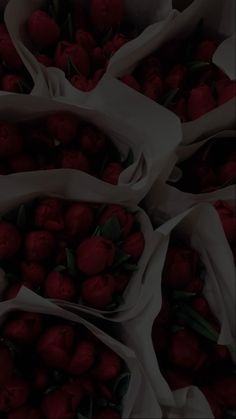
[71, 265]
[170, 96]
[196, 65]
[97, 231]
[130, 267]
[111, 230]
[198, 323]
[182, 295]
[60, 268]
[121, 258]
[121, 385]
[129, 159]
[21, 220]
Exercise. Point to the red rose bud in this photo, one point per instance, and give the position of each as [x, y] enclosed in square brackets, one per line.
[26, 328]
[200, 102]
[63, 126]
[131, 82]
[94, 255]
[106, 13]
[13, 394]
[107, 413]
[75, 393]
[149, 68]
[180, 267]
[180, 109]
[83, 358]
[92, 140]
[221, 353]
[79, 220]
[25, 412]
[205, 51]
[177, 379]
[73, 159]
[10, 55]
[22, 163]
[108, 367]
[153, 88]
[55, 345]
[48, 215]
[6, 364]
[227, 172]
[112, 173]
[99, 58]
[58, 405]
[115, 44]
[98, 291]
[42, 29]
[185, 350]
[10, 140]
[225, 391]
[126, 220]
[121, 282]
[11, 83]
[41, 378]
[82, 83]
[34, 273]
[196, 286]
[45, 60]
[85, 40]
[60, 287]
[226, 90]
[175, 77]
[13, 290]
[201, 305]
[67, 52]
[10, 240]
[39, 245]
[87, 385]
[134, 245]
[228, 219]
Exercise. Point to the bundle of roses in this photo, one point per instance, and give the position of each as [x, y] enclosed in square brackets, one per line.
[56, 365]
[189, 322]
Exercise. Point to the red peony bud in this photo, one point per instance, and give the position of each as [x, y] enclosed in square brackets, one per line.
[10, 140]
[49, 215]
[42, 29]
[63, 126]
[228, 219]
[60, 287]
[85, 40]
[81, 83]
[112, 173]
[11, 83]
[39, 245]
[13, 394]
[33, 273]
[92, 140]
[25, 329]
[125, 219]
[25, 412]
[98, 291]
[153, 88]
[108, 367]
[82, 358]
[45, 60]
[58, 405]
[131, 82]
[41, 378]
[73, 159]
[200, 102]
[175, 76]
[67, 52]
[185, 350]
[205, 51]
[10, 55]
[79, 220]
[134, 245]
[107, 413]
[10, 240]
[149, 68]
[6, 364]
[118, 41]
[106, 13]
[22, 163]
[94, 255]
[55, 345]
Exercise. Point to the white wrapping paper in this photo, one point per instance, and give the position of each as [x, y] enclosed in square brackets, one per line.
[200, 227]
[28, 301]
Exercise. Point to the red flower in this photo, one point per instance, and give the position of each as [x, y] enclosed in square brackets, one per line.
[82, 83]
[99, 58]
[25, 412]
[228, 219]
[175, 76]
[180, 267]
[9, 54]
[13, 394]
[11, 83]
[200, 102]
[112, 173]
[115, 44]
[22, 163]
[10, 140]
[45, 60]
[107, 413]
[25, 329]
[63, 126]
[83, 358]
[60, 287]
[6, 364]
[108, 367]
[13, 290]
[225, 391]
[205, 51]
[180, 109]
[149, 68]
[79, 220]
[121, 282]
[201, 305]
[73, 159]
[185, 350]
[34, 273]
[85, 40]
[58, 405]
[49, 215]
[226, 90]
[153, 88]
[106, 13]
[98, 291]
[195, 286]
[125, 219]
[55, 345]
[92, 140]
[43, 30]
[10, 240]
[39, 245]
[131, 82]
[41, 378]
[134, 245]
[94, 255]
[67, 52]
[227, 172]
